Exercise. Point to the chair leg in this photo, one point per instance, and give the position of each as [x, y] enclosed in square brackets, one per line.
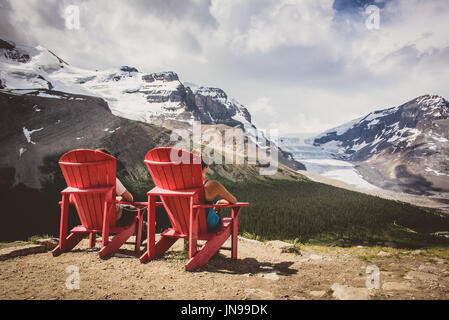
[235, 232]
[150, 253]
[105, 232]
[118, 240]
[69, 243]
[139, 231]
[92, 240]
[163, 244]
[208, 250]
[193, 234]
[63, 225]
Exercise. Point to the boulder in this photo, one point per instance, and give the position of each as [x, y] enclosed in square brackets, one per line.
[384, 254]
[128, 69]
[343, 292]
[49, 243]
[281, 246]
[12, 252]
[318, 294]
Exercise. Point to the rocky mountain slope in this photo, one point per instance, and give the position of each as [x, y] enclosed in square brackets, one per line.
[157, 98]
[38, 127]
[403, 148]
[48, 107]
[35, 131]
[35, 127]
[129, 93]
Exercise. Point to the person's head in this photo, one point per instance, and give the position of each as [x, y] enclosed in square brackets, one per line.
[104, 150]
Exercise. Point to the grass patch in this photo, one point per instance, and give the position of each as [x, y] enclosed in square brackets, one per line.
[176, 256]
[33, 239]
[434, 252]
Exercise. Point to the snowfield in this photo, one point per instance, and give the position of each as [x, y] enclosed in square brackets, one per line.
[321, 160]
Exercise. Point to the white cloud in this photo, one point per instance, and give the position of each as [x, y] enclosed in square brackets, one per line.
[267, 115]
[313, 67]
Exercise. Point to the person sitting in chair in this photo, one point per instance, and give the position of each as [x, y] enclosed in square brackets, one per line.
[124, 213]
[213, 189]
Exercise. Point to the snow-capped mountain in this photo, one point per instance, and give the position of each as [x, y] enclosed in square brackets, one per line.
[395, 129]
[155, 97]
[404, 146]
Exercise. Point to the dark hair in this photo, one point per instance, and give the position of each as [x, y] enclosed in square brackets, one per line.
[203, 164]
[104, 150]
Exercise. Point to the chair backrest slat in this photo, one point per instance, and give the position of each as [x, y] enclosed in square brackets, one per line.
[171, 174]
[89, 169]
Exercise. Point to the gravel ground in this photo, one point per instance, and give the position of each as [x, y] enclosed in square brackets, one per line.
[261, 272]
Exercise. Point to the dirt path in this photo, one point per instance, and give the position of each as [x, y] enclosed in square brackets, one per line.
[261, 272]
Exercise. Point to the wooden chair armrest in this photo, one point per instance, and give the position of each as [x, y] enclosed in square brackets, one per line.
[156, 191]
[138, 204]
[234, 205]
[71, 190]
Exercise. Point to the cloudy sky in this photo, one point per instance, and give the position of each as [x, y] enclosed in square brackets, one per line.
[302, 66]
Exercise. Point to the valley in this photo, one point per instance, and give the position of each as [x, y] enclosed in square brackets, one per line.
[49, 107]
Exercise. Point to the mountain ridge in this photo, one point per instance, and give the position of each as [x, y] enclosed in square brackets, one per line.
[401, 148]
[159, 95]
[159, 98]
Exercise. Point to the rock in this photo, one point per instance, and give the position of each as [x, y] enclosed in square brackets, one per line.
[161, 76]
[317, 294]
[9, 45]
[257, 242]
[384, 254]
[343, 292]
[418, 275]
[281, 246]
[428, 268]
[12, 252]
[49, 243]
[128, 69]
[444, 234]
[416, 252]
[397, 286]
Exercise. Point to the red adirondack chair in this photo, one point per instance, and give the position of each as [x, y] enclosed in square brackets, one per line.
[90, 177]
[180, 188]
